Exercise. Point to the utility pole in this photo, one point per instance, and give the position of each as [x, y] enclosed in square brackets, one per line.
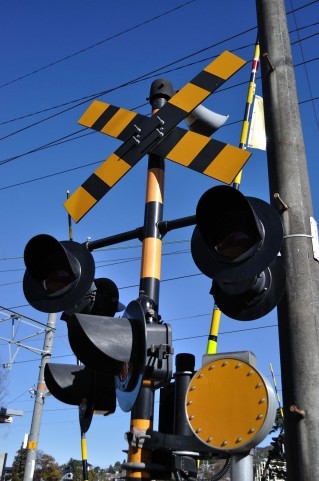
[39, 401]
[298, 312]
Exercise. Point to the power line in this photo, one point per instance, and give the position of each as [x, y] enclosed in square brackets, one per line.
[115, 248]
[226, 332]
[112, 262]
[59, 141]
[141, 78]
[306, 71]
[22, 316]
[67, 139]
[66, 171]
[88, 97]
[107, 39]
[96, 44]
[127, 287]
[53, 143]
[144, 77]
[235, 331]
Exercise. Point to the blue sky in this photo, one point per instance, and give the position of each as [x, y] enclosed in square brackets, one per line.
[37, 34]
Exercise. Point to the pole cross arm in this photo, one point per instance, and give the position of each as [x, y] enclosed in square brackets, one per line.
[6, 414]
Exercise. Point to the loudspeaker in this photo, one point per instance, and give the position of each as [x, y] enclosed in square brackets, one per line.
[204, 121]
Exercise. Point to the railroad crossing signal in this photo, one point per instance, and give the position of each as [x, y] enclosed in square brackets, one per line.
[60, 277]
[236, 243]
[92, 391]
[160, 135]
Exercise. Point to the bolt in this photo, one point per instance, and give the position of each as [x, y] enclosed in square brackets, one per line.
[198, 430]
[224, 443]
[191, 417]
[262, 400]
[239, 440]
[192, 388]
[251, 430]
[250, 373]
[189, 403]
[238, 365]
[200, 376]
[295, 410]
[225, 364]
[258, 385]
[211, 367]
[209, 440]
[281, 203]
[260, 416]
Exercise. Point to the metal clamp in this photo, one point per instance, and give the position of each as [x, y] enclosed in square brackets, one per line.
[161, 351]
[137, 437]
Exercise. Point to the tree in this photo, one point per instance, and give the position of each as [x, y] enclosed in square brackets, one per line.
[19, 464]
[279, 422]
[75, 466]
[47, 468]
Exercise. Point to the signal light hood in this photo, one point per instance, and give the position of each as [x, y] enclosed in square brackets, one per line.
[69, 266]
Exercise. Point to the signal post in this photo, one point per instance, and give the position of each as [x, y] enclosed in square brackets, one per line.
[235, 243]
[143, 409]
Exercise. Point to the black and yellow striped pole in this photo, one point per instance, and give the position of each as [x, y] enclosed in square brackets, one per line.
[83, 434]
[143, 409]
[213, 334]
[84, 457]
[249, 102]
[215, 322]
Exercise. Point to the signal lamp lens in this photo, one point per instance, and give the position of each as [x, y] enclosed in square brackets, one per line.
[58, 282]
[234, 244]
[234, 235]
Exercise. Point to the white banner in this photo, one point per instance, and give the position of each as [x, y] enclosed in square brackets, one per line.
[257, 132]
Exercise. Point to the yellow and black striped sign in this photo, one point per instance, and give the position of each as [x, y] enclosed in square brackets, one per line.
[111, 120]
[159, 135]
[203, 154]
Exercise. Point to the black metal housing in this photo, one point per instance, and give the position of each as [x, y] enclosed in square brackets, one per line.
[236, 243]
[80, 386]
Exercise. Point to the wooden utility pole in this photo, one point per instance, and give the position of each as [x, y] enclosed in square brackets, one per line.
[298, 312]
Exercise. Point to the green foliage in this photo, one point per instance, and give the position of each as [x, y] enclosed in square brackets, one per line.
[47, 469]
[19, 464]
[279, 422]
[75, 466]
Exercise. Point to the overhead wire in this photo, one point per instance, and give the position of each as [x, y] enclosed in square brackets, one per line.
[18, 315]
[138, 79]
[234, 331]
[67, 57]
[91, 96]
[127, 287]
[82, 166]
[66, 138]
[61, 140]
[113, 248]
[111, 262]
[306, 71]
[96, 44]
